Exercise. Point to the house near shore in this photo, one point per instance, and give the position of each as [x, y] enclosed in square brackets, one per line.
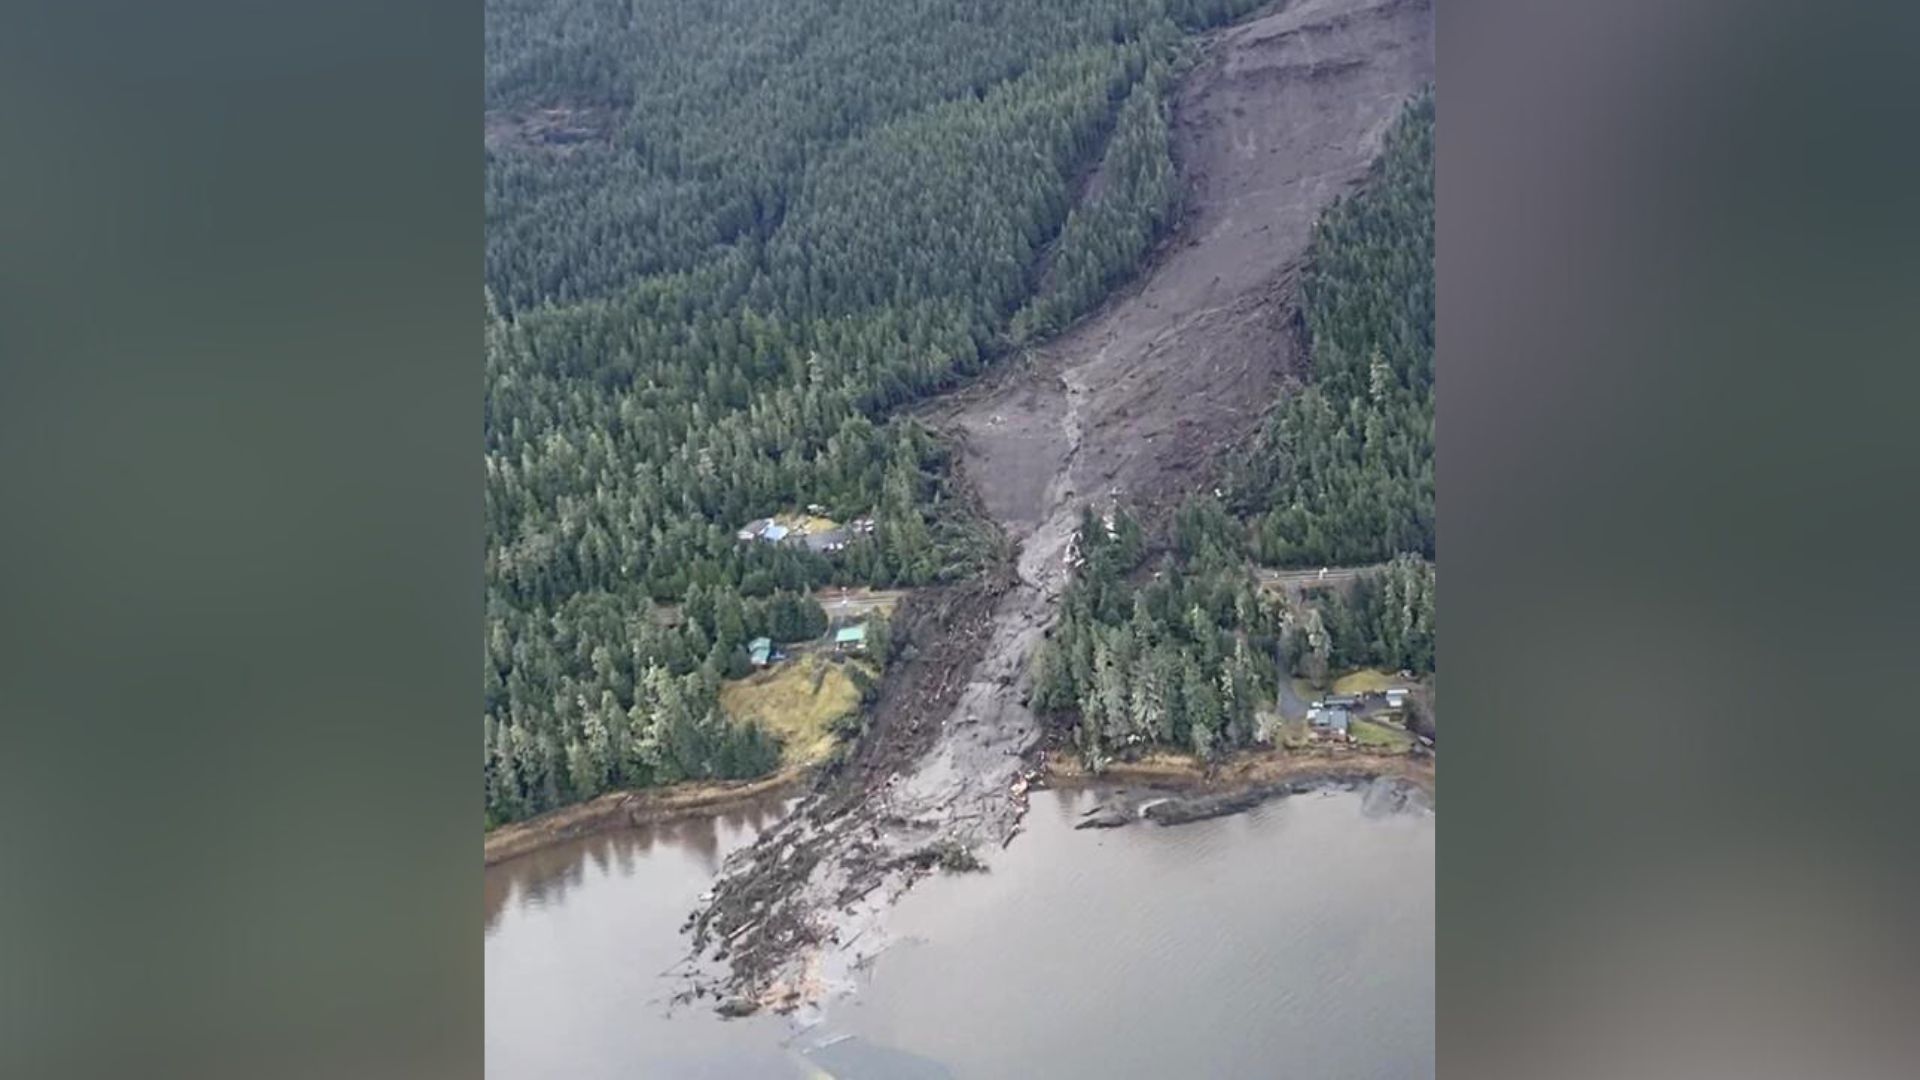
[1329, 722]
[850, 639]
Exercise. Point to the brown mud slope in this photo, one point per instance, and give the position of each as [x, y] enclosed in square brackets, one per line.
[1283, 114]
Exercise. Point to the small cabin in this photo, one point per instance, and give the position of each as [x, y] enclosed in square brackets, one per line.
[760, 651]
[1329, 721]
[850, 639]
[1396, 698]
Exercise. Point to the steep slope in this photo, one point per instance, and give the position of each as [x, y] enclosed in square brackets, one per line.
[1282, 115]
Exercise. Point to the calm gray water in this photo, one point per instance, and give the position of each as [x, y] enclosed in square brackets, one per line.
[1295, 940]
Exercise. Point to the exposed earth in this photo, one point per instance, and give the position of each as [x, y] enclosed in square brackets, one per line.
[1283, 114]
[560, 131]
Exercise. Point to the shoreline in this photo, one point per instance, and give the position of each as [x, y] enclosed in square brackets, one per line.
[1242, 770]
[619, 809]
[1060, 769]
[1194, 792]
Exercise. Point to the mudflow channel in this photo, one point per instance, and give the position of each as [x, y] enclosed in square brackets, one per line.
[1283, 114]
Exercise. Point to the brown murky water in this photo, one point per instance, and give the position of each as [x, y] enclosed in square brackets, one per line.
[1294, 940]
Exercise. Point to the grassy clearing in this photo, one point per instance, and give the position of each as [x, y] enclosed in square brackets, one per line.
[1375, 735]
[806, 523]
[1366, 681]
[860, 600]
[784, 699]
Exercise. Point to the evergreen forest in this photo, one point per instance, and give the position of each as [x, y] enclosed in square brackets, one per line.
[1181, 646]
[727, 241]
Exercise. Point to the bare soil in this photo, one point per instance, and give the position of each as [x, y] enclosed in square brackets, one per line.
[1282, 115]
[558, 130]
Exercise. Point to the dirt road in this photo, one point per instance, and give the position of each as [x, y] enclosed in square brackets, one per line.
[1282, 115]
[1296, 581]
[844, 604]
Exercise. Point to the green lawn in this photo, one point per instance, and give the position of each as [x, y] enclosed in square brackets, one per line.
[1375, 735]
[785, 699]
[1366, 681]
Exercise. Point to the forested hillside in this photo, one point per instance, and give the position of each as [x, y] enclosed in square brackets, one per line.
[1181, 649]
[1180, 659]
[1343, 472]
[725, 240]
[686, 130]
[1178, 649]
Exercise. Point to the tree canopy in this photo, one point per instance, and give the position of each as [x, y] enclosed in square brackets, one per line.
[727, 241]
[1343, 472]
[1178, 648]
